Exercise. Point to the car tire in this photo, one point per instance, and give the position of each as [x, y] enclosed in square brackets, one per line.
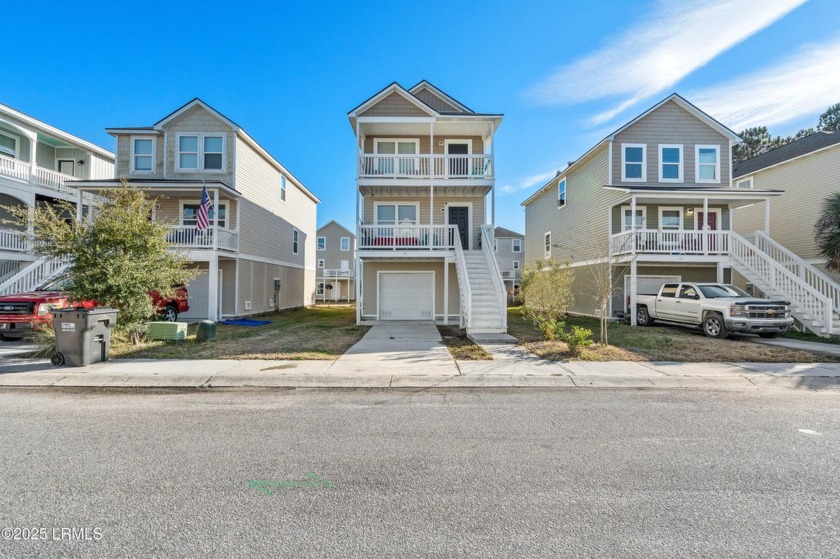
[714, 327]
[768, 334]
[169, 313]
[7, 338]
[643, 317]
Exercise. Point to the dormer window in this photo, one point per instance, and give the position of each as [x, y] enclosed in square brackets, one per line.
[708, 164]
[670, 163]
[142, 155]
[633, 162]
[197, 152]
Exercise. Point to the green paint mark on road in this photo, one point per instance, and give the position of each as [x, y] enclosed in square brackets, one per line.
[265, 487]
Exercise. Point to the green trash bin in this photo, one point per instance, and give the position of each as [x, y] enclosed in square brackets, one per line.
[82, 336]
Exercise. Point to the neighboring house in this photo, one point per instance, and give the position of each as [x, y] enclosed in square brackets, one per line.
[336, 250]
[37, 161]
[259, 252]
[424, 189]
[809, 171]
[654, 198]
[510, 254]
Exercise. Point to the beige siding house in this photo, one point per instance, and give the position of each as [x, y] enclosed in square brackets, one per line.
[424, 196]
[336, 252]
[510, 254]
[259, 252]
[38, 163]
[655, 200]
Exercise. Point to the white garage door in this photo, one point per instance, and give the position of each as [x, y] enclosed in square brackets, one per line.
[198, 290]
[406, 295]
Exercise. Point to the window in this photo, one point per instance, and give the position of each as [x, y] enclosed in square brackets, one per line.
[516, 264]
[189, 214]
[626, 220]
[669, 290]
[633, 162]
[200, 152]
[688, 292]
[320, 289]
[345, 244]
[282, 188]
[670, 163]
[561, 193]
[142, 155]
[517, 245]
[320, 262]
[8, 145]
[393, 214]
[398, 164]
[322, 243]
[548, 245]
[670, 219]
[746, 183]
[295, 239]
[708, 164]
[495, 245]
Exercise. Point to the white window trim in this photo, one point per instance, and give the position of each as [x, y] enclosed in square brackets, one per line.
[377, 141]
[747, 179]
[547, 244]
[321, 241]
[200, 154]
[154, 153]
[396, 212]
[319, 288]
[284, 188]
[625, 209]
[16, 149]
[623, 162]
[197, 202]
[671, 209]
[565, 193]
[447, 143]
[470, 221]
[513, 245]
[295, 241]
[321, 263]
[681, 165]
[697, 178]
[516, 264]
[341, 244]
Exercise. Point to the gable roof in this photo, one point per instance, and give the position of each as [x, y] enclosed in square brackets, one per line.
[503, 233]
[394, 87]
[334, 222]
[676, 98]
[188, 106]
[798, 148]
[437, 92]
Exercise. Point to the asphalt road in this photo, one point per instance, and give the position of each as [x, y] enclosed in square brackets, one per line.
[490, 473]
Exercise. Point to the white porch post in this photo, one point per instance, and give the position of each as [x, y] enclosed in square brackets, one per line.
[431, 209]
[446, 291]
[720, 272]
[767, 216]
[431, 156]
[80, 211]
[633, 274]
[213, 289]
[705, 226]
[33, 156]
[632, 228]
[216, 220]
[357, 284]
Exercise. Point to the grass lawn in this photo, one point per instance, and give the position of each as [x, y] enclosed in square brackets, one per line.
[809, 337]
[460, 346]
[655, 343]
[312, 333]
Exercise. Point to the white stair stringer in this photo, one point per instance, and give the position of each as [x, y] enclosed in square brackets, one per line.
[488, 316]
[812, 308]
[34, 275]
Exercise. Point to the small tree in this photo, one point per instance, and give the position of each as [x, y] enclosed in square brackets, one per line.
[827, 232]
[117, 259]
[547, 294]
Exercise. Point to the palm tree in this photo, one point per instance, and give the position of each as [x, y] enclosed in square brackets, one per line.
[827, 234]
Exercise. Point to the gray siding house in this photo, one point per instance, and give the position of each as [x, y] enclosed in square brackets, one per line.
[336, 252]
[259, 252]
[510, 253]
[655, 200]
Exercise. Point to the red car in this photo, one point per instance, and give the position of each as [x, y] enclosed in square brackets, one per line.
[22, 313]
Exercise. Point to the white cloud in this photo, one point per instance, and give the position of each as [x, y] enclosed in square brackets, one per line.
[659, 51]
[803, 84]
[528, 182]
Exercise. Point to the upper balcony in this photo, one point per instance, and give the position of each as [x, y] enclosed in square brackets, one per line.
[467, 168]
[35, 175]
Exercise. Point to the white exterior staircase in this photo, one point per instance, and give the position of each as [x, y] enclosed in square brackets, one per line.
[486, 308]
[34, 275]
[780, 274]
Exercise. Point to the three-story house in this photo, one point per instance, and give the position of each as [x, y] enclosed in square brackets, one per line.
[336, 247]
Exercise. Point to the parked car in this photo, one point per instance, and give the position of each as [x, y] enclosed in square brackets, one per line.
[718, 308]
[23, 313]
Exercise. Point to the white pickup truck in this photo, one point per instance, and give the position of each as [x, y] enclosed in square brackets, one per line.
[718, 308]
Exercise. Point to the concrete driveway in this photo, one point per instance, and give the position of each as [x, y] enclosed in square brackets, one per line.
[398, 347]
[10, 349]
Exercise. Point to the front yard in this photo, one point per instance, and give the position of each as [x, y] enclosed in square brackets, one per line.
[312, 333]
[655, 343]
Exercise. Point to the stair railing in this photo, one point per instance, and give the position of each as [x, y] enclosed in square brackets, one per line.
[463, 284]
[487, 234]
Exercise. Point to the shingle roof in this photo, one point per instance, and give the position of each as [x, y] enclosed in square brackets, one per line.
[505, 233]
[786, 152]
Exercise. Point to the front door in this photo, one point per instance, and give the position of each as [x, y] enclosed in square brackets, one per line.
[711, 241]
[458, 166]
[460, 216]
[67, 167]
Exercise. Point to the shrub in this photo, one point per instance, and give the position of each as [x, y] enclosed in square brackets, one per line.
[577, 339]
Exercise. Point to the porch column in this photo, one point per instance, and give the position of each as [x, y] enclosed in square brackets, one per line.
[213, 289]
[33, 156]
[633, 272]
[705, 226]
[767, 216]
[357, 284]
[431, 170]
[445, 291]
[720, 272]
[431, 208]
[216, 220]
[80, 211]
[632, 229]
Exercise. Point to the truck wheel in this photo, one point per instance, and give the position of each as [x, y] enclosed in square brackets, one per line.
[714, 327]
[169, 314]
[643, 317]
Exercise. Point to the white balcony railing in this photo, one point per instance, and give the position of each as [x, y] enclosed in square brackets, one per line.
[329, 273]
[416, 166]
[14, 241]
[22, 170]
[649, 241]
[406, 237]
[14, 168]
[186, 236]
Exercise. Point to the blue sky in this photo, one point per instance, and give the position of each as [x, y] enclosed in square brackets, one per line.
[564, 73]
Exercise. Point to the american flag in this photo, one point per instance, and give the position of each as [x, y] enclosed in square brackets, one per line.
[203, 220]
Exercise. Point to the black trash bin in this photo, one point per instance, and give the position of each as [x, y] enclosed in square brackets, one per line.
[82, 336]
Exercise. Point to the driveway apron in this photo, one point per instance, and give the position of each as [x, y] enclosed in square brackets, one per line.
[398, 348]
